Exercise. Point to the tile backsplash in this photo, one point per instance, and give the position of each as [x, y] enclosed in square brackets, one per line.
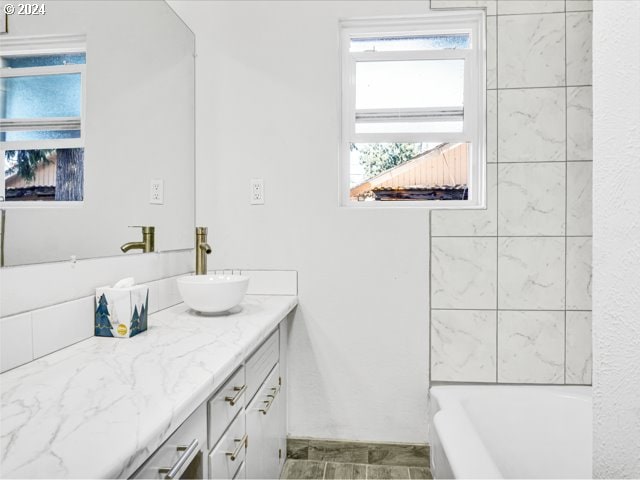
[31, 335]
[38, 332]
[511, 285]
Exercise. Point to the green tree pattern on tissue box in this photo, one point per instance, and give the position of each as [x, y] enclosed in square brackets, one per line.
[103, 325]
[144, 313]
[135, 322]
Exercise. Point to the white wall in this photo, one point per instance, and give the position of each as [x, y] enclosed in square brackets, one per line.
[616, 254]
[268, 107]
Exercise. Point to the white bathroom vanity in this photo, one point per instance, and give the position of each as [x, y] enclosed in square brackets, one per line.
[193, 397]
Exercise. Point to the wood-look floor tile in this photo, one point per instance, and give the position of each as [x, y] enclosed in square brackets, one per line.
[345, 471]
[405, 455]
[420, 473]
[303, 469]
[298, 448]
[387, 472]
[336, 451]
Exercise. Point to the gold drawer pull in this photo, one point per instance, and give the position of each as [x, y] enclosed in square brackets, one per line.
[268, 404]
[272, 397]
[233, 455]
[181, 464]
[233, 400]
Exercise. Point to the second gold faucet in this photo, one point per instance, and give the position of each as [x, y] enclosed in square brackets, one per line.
[202, 250]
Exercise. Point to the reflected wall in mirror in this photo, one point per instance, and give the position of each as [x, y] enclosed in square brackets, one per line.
[96, 102]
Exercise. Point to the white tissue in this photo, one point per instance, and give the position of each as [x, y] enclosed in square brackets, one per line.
[125, 283]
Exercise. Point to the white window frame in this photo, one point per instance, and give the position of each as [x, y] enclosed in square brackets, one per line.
[474, 125]
[34, 46]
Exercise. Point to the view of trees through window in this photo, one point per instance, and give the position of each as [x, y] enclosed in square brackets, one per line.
[52, 174]
[376, 158]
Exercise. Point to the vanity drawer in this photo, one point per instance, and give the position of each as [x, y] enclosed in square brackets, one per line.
[261, 362]
[228, 455]
[184, 452]
[225, 405]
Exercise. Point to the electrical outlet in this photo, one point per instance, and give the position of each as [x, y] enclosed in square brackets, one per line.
[156, 193]
[257, 192]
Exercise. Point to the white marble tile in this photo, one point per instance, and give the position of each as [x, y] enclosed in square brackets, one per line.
[531, 125]
[579, 123]
[579, 201]
[271, 282]
[531, 273]
[579, 352]
[469, 222]
[579, 33]
[531, 347]
[463, 346]
[463, 272]
[509, 7]
[531, 51]
[489, 5]
[492, 52]
[579, 5]
[492, 126]
[532, 199]
[62, 325]
[16, 341]
[579, 273]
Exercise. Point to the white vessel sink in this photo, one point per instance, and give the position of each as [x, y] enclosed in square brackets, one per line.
[212, 293]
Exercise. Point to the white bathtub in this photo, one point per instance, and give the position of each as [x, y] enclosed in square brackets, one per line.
[499, 431]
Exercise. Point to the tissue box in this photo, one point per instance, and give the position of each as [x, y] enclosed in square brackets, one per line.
[121, 312]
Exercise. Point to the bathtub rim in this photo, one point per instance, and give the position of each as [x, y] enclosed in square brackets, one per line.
[453, 395]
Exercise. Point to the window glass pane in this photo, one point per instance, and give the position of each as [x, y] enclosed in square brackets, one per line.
[409, 171]
[410, 43]
[409, 84]
[408, 127]
[42, 96]
[38, 135]
[37, 175]
[25, 61]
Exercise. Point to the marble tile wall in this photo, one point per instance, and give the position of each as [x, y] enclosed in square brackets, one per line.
[511, 285]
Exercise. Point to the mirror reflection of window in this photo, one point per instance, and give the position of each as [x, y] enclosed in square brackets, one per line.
[41, 125]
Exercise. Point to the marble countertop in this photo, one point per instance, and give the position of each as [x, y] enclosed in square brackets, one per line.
[101, 407]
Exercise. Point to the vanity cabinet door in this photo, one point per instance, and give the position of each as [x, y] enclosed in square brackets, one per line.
[261, 362]
[264, 431]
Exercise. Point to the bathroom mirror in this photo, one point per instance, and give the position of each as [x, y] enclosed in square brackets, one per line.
[108, 85]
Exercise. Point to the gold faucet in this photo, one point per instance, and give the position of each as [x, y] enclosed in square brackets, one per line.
[202, 250]
[146, 245]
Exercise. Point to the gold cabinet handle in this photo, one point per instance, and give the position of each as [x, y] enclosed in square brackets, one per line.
[233, 400]
[268, 404]
[177, 469]
[233, 455]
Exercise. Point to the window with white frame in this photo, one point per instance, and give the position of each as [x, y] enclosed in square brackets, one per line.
[413, 111]
[42, 105]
